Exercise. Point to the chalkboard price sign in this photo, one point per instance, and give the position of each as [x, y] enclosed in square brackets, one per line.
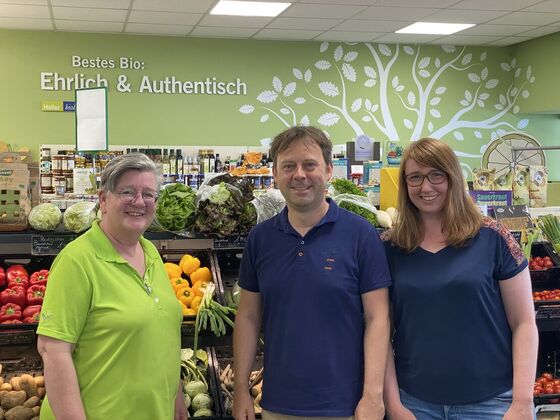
[49, 244]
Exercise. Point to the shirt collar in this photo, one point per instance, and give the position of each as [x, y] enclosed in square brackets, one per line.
[282, 222]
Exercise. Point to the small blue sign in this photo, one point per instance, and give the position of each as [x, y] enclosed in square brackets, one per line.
[69, 106]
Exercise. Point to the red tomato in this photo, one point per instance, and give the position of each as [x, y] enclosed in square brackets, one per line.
[547, 376]
[538, 260]
[548, 264]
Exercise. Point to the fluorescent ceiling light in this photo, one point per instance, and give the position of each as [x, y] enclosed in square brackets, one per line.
[249, 8]
[434, 28]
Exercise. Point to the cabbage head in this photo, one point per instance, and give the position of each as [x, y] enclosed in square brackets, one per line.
[201, 401]
[203, 412]
[80, 216]
[193, 388]
[44, 217]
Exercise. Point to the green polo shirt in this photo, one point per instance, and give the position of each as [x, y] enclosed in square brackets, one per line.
[127, 341]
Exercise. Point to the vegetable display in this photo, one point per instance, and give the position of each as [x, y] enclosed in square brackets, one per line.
[194, 371]
[21, 396]
[80, 216]
[45, 217]
[550, 227]
[343, 186]
[176, 207]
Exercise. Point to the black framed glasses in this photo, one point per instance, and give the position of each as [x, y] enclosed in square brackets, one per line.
[416, 179]
[128, 196]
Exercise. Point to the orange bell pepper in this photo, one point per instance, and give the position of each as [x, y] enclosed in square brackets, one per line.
[185, 295]
[201, 274]
[200, 287]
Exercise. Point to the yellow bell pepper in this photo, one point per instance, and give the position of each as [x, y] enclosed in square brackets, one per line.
[179, 282]
[186, 311]
[185, 295]
[189, 263]
[189, 311]
[195, 304]
[201, 274]
[200, 287]
[173, 270]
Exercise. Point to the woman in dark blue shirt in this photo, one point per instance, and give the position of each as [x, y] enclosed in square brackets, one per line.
[465, 340]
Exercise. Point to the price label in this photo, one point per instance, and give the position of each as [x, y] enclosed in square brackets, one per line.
[19, 337]
[49, 244]
[230, 242]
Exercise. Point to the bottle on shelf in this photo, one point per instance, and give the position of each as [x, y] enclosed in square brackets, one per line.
[179, 165]
[218, 164]
[172, 165]
[226, 164]
[211, 161]
[165, 167]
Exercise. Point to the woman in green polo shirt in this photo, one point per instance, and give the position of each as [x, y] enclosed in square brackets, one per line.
[109, 333]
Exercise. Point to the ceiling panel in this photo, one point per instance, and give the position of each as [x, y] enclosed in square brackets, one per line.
[508, 5]
[85, 26]
[213, 32]
[411, 14]
[466, 40]
[303, 23]
[324, 11]
[185, 6]
[371, 25]
[345, 36]
[107, 4]
[504, 30]
[85, 13]
[235, 21]
[547, 6]
[24, 11]
[23, 23]
[527, 18]
[143, 28]
[465, 16]
[164, 18]
[286, 34]
[407, 38]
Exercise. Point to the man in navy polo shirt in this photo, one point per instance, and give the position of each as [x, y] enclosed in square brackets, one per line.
[315, 277]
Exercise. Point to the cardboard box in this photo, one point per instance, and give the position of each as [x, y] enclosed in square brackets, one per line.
[14, 193]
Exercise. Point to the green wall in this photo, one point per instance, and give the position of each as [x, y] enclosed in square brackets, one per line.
[464, 95]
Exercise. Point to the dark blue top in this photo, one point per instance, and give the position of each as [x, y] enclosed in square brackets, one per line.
[452, 341]
[313, 325]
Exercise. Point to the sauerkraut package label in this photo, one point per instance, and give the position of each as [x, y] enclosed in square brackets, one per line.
[521, 185]
[14, 193]
[538, 178]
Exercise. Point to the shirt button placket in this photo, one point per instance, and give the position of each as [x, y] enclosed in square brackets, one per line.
[300, 253]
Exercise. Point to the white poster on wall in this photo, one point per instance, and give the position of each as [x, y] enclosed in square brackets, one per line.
[91, 120]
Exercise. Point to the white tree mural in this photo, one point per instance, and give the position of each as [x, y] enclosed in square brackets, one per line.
[375, 100]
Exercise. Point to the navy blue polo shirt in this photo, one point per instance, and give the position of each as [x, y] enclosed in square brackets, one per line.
[452, 342]
[312, 317]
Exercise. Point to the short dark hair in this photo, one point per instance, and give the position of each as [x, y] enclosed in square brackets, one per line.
[309, 135]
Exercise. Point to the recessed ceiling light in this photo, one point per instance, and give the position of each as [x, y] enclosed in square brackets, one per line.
[434, 28]
[249, 8]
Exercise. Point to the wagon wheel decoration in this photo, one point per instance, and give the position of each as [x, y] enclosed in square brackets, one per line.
[499, 154]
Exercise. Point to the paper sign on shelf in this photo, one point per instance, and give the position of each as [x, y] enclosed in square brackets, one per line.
[91, 120]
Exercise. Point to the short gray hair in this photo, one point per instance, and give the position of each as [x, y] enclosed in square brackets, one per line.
[129, 162]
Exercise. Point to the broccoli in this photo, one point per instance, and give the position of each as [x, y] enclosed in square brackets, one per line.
[343, 186]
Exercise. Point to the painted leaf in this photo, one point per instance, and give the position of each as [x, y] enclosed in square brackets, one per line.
[434, 101]
[484, 73]
[299, 100]
[356, 105]
[483, 148]
[349, 72]
[516, 109]
[338, 51]
[464, 102]
[329, 89]
[267, 96]
[468, 95]
[517, 72]
[395, 82]
[368, 104]
[366, 118]
[324, 46]
[480, 103]
[499, 107]
[290, 89]
[513, 62]
[424, 62]
[466, 59]
[532, 79]
[473, 77]
[374, 107]
[491, 84]
[525, 94]
[529, 70]
[385, 50]
[351, 56]
[408, 124]
[503, 99]
[246, 109]
[483, 56]
[441, 90]
[448, 48]
[484, 96]
[430, 126]
[411, 98]
[277, 84]
[284, 111]
[458, 136]
[522, 123]
[408, 49]
[478, 135]
[514, 92]
[505, 66]
[304, 120]
[370, 72]
[424, 73]
[437, 63]
[297, 73]
[323, 65]
[435, 113]
[264, 118]
[370, 83]
[328, 119]
[307, 75]
[399, 88]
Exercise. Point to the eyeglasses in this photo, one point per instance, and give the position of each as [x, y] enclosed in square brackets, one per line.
[435, 178]
[129, 196]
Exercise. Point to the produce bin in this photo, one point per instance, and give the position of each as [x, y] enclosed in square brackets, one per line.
[545, 279]
[224, 357]
[227, 263]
